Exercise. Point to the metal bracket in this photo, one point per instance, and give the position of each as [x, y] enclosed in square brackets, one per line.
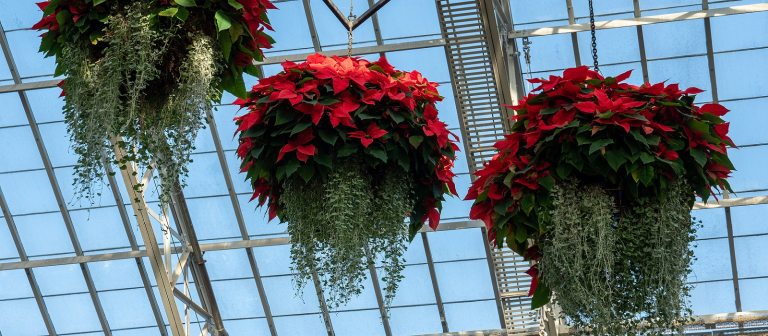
[352, 23]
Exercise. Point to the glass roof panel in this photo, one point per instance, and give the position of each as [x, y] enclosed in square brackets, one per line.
[24, 46]
[349, 323]
[713, 297]
[753, 293]
[13, 113]
[677, 52]
[43, 234]
[474, 315]
[25, 310]
[750, 220]
[291, 32]
[140, 314]
[14, 285]
[73, 313]
[238, 298]
[414, 320]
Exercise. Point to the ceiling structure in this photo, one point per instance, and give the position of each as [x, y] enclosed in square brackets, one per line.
[74, 268]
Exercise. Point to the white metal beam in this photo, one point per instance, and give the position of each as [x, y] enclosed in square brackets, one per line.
[639, 21]
[264, 242]
[164, 285]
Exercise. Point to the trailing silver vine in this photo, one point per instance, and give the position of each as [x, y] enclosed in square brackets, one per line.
[124, 94]
[339, 226]
[619, 271]
[578, 257]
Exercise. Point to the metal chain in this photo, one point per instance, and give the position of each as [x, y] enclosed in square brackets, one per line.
[594, 37]
[527, 55]
[351, 18]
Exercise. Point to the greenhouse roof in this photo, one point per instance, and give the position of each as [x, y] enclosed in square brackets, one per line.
[68, 267]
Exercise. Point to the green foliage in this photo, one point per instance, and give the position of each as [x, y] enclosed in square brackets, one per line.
[303, 120]
[619, 271]
[239, 29]
[108, 100]
[339, 226]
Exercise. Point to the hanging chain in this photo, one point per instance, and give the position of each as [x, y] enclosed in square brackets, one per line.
[350, 22]
[527, 55]
[594, 37]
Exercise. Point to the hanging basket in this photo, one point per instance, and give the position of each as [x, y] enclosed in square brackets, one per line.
[344, 150]
[147, 73]
[595, 185]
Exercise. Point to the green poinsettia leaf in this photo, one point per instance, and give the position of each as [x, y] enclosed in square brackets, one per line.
[169, 12]
[235, 4]
[541, 296]
[597, 145]
[186, 3]
[521, 234]
[328, 136]
[527, 203]
[346, 150]
[325, 159]
[378, 153]
[225, 43]
[699, 156]
[306, 172]
[98, 2]
[503, 206]
[287, 169]
[300, 127]
[548, 182]
[647, 158]
[416, 140]
[253, 70]
[615, 159]
[396, 117]
[223, 22]
[182, 14]
[283, 116]
[549, 110]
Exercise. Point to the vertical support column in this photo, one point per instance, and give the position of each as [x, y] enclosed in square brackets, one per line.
[495, 42]
[728, 218]
[379, 295]
[135, 247]
[574, 36]
[494, 279]
[164, 285]
[435, 285]
[641, 43]
[200, 272]
[323, 305]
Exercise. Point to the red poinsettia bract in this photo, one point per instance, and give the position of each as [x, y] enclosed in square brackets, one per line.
[584, 126]
[302, 120]
[82, 22]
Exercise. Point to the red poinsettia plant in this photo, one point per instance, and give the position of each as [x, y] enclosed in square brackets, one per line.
[239, 26]
[583, 126]
[304, 120]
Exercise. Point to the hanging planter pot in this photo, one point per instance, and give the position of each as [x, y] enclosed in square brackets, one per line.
[145, 73]
[595, 185]
[344, 150]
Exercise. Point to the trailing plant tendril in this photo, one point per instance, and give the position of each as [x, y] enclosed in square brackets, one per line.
[341, 253]
[637, 262]
[142, 75]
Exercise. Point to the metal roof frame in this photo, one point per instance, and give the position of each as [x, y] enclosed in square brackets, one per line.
[503, 60]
